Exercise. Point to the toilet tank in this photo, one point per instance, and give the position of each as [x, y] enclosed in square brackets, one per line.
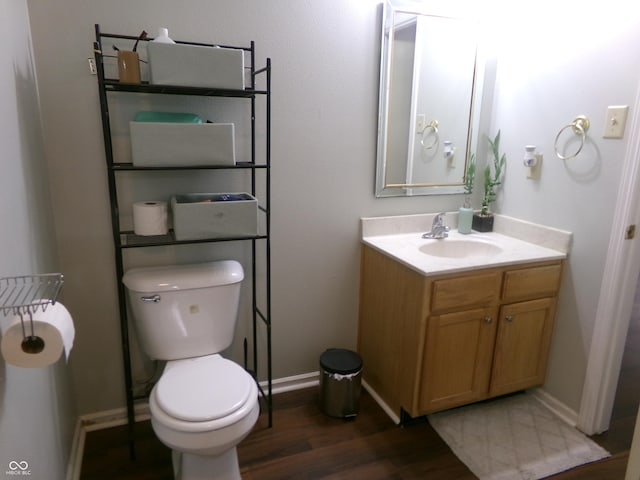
[184, 311]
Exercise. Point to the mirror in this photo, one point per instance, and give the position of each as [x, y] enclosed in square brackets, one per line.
[428, 85]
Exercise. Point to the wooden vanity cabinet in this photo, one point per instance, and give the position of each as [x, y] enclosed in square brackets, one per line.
[432, 343]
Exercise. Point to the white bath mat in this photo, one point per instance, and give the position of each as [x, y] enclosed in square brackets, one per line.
[514, 438]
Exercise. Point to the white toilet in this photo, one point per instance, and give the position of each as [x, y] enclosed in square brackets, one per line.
[203, 405]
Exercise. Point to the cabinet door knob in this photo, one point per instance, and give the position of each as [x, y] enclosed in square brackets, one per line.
[509, 318]
[488, 320]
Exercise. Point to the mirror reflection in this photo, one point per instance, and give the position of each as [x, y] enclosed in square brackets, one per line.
[427, 90]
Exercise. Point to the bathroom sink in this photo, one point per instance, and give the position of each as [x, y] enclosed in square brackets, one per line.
[460, 248]
[400, 239]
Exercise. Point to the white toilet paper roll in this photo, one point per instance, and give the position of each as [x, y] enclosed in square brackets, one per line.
[150, 218]
[54, 326]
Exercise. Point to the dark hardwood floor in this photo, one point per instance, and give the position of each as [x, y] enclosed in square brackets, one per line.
[306, 444]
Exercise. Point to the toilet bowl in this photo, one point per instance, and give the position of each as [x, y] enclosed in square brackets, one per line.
[203, 405]
[202, 408]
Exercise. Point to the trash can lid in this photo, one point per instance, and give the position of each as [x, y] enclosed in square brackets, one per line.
[338, 360]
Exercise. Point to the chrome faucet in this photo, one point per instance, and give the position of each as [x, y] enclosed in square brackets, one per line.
[438, 228]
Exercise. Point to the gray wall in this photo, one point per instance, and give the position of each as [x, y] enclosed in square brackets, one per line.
[325, 59]
[543, 82]
[36, 411]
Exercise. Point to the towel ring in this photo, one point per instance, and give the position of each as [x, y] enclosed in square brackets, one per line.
[432, 127]
[580, 125]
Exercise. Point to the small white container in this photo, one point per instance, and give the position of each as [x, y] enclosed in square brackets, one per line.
[163, 36]
[163, 144]
[199, 216]
[196, 66]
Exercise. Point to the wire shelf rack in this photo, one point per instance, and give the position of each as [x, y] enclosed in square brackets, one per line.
[28, 293]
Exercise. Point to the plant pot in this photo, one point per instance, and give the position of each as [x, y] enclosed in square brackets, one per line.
[482, 223]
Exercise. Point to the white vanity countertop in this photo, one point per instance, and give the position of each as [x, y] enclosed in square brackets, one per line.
[401, 238]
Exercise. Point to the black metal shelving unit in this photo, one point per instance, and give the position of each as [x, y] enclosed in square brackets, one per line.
[127, 239]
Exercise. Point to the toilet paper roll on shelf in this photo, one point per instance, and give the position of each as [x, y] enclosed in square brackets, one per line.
[150, 218]
[54, 326]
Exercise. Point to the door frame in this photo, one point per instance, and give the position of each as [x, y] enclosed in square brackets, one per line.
[615, 303]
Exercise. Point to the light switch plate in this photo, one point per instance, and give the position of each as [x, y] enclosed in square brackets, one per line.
[616, 121]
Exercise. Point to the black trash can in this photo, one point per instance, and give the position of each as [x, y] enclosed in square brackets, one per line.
[340, 382]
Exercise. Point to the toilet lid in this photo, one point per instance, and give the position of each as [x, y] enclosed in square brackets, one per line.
[203, 389]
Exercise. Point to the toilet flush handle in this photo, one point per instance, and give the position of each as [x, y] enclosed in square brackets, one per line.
[151, 298]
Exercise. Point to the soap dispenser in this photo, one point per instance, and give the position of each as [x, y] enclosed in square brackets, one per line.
[163, 36]
[465, 219]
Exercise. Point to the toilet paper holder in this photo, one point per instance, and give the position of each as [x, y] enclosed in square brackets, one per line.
[24, 295]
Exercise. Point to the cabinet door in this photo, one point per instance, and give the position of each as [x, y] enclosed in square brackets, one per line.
[522, 345]
[457, 359]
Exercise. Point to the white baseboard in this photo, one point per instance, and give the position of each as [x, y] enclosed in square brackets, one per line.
[565, 413]
[118, 416]
[113, 418]
[295, 382]
[387, 409]
[77, 450]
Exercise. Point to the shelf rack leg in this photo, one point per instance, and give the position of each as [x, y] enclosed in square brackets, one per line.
[113, 199]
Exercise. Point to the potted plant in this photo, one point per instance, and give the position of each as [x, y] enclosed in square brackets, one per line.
[483, 221]
[465, 213]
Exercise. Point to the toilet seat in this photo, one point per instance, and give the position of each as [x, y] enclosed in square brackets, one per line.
[203, 393]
